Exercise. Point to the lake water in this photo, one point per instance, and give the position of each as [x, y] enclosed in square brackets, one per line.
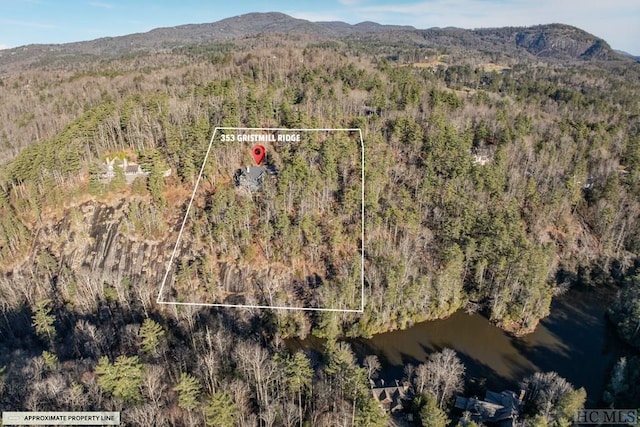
[575, 340]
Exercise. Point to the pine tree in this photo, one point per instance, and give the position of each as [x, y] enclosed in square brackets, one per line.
[50, 360]
[153, 162]
[42, 320]
[119, 180]
[370, 413]
[151, 333]
[122, 379]
[188, 389]
[72, 161]
[96, 187]
[298, 374]
[430, 414]
[221, 411]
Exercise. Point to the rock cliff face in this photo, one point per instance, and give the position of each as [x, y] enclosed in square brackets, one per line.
[562, 41]
[91, 248]
[115, 251]
[94, 252]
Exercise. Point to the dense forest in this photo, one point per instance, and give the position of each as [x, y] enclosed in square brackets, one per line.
[493, 183]
[264, 242]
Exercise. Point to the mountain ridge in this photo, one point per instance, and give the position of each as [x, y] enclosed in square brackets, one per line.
[559, 41]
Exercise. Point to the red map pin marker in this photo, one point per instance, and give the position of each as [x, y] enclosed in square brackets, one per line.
[258, 153]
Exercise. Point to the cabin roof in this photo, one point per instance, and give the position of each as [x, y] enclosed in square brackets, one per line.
[390, 398]
[500, 408]
[251, 177]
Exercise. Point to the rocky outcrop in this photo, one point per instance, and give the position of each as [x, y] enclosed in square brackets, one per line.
[562, 41]
[96, 251]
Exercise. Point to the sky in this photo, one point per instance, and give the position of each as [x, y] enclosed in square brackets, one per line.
[60, 21]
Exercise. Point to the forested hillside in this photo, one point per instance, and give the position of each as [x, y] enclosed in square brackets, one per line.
[492, 183]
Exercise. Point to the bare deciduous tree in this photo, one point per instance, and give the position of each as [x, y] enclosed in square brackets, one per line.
[372, 365]
[442, 375]
[154, 384]
[255, 363]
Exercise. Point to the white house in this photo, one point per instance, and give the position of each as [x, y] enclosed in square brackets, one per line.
[131, 170]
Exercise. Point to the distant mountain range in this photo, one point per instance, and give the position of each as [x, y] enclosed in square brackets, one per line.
[555, 41]
[627, 54]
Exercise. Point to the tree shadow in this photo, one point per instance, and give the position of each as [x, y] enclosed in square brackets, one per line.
[576, 341]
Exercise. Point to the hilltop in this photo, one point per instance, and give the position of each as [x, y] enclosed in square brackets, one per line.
[496, 49]
[553, 41]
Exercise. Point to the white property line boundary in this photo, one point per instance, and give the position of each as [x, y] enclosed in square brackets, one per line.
[193, 194]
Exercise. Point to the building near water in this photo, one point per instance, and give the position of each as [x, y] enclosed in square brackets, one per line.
[500, 409]
[392, 399]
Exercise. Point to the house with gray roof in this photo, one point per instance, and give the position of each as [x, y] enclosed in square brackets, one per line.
[500, 409]
[252, 178]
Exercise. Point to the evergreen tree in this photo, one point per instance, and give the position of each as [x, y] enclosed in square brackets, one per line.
[96, 187]
[153, 162]
[430, 414]
[369, 413]
[72, 162]
[119, 181]
[155, 184]
[42, 320]
[298, 375]
[139, 186]
[221, 410]
[151, 333]
[50, 360]
[188, 389]
[122, 379]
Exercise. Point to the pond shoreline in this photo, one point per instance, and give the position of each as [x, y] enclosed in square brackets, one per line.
[576, 340]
